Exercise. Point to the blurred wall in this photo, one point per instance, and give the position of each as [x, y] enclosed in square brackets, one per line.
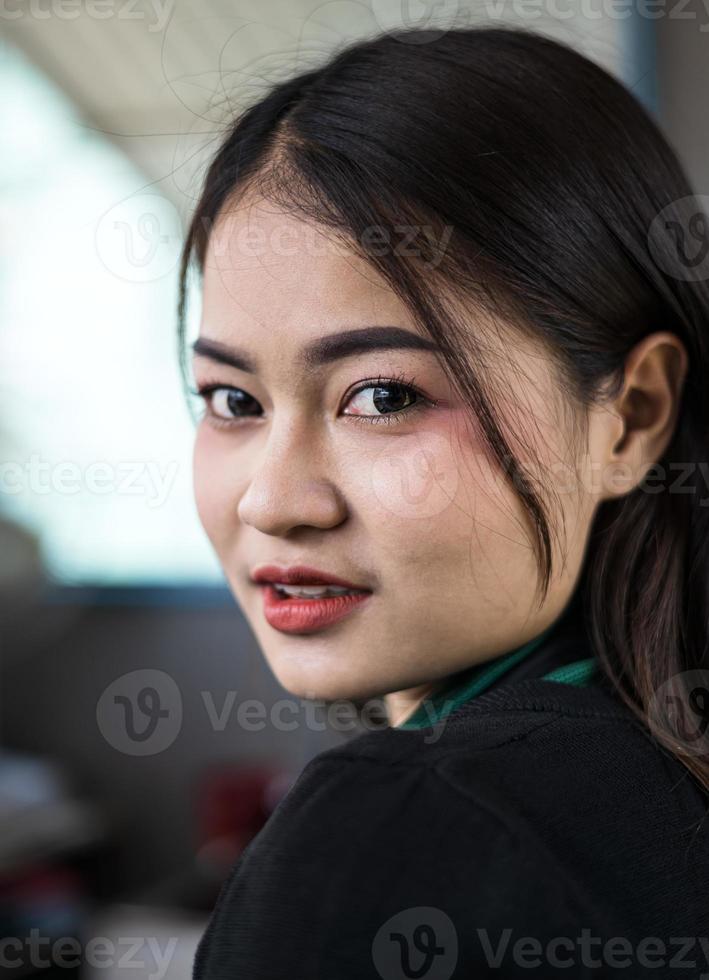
[682, 51]
[70, 656]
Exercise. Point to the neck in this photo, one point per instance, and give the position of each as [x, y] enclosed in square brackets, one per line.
[403, 705]
[400, 705]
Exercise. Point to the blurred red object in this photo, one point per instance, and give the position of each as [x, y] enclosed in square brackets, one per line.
[232, 805]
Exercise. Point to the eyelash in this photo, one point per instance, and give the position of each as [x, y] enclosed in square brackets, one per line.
[401, 380]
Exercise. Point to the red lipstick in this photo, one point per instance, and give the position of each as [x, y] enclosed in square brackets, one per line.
[294, 614]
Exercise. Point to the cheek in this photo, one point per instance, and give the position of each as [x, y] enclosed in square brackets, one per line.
[444, 514]
[411, 494]
[213, 494]
[414, 480]
[423, 483]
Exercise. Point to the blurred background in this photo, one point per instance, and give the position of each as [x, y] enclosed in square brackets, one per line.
[131, 772]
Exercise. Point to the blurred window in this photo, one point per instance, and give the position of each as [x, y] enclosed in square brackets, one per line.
[95, 433]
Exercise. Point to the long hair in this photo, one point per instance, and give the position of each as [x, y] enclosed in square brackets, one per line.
[547, 181]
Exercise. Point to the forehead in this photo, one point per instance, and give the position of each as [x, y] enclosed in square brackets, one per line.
[270, 276]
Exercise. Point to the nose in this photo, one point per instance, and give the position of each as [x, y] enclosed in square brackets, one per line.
[289, 487]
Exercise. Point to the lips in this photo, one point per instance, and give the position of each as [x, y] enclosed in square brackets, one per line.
[301, 616]
[290, 614]
[301, 575]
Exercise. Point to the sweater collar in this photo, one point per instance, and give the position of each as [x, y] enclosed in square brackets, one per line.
[561, 654]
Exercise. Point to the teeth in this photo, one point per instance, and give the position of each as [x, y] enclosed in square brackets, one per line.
[311, 591]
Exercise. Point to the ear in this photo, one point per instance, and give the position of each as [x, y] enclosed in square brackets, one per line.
[645, 411]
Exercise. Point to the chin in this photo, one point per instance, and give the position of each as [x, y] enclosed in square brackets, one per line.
[318, 683]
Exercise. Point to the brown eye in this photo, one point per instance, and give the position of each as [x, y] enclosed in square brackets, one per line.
[227, 403]
[383, 398]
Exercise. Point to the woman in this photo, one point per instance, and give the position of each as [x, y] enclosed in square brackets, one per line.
[452, 354]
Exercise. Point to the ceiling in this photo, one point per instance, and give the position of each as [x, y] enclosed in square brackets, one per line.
[161, 77]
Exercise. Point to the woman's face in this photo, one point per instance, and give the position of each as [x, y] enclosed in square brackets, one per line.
[338, 445]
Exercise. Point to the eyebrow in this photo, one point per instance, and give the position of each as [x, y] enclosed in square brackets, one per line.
[323, 350]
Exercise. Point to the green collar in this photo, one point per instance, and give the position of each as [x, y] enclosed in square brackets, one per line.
[467, 684]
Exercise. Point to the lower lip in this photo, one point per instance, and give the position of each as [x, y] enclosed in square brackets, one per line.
[292, 615]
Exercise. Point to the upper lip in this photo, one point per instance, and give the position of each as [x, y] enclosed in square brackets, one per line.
[300, 575]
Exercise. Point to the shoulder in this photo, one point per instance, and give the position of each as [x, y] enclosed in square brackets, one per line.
[401, 833]
[365, 869]
[525, 741]
[536, 815]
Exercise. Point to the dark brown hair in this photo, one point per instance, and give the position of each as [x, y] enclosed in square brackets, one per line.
[553, 181]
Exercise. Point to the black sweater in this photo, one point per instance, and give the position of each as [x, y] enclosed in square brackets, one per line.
[539, 831]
